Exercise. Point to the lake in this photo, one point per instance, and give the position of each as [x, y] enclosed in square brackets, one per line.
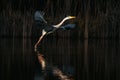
[65, 59]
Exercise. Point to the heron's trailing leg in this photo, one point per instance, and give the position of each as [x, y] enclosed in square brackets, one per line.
[35, 47]
[41, 37]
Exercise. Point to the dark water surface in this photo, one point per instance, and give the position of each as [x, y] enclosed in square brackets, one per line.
[78, 59]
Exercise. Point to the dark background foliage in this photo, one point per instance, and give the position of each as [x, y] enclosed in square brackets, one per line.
[95, 18]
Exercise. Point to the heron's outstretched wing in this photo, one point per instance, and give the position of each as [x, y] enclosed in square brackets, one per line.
[39, 16]
[68, 26]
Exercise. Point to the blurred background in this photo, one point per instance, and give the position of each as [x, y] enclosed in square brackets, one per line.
[90, 51]
[95, 18]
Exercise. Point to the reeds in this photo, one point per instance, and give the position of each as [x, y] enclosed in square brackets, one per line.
[16, 23]
[103, 19]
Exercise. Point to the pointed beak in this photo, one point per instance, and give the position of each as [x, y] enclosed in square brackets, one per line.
[72, 16]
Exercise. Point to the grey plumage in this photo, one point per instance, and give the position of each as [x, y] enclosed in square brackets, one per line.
[68, 26]
[39, 16]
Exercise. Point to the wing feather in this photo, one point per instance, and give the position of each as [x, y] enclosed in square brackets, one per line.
[68, 26]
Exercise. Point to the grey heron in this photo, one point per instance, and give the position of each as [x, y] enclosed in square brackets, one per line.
[47, 29]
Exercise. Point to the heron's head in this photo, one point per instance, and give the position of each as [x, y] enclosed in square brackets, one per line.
[70, 17]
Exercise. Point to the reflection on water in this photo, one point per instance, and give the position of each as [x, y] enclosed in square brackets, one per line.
[65, 59]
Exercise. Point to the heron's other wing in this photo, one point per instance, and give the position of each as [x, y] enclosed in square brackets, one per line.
[68, 26]
[39, 16]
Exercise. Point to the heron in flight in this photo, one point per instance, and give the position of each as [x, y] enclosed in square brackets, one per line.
[47, 29]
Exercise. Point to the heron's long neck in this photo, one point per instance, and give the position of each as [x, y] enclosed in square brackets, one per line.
[58, 25]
